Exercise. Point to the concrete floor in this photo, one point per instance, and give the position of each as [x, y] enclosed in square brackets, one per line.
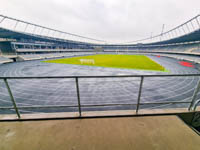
[138, 133]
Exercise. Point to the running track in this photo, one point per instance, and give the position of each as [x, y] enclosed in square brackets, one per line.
[94, 91]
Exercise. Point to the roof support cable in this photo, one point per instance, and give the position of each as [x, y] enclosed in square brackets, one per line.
[198, 22]
[15, 25]
[176, 32]
[34, 29]
[183, 29]
[192, 25]
[41, 31]
[2, 19]
[26, 27]
[187, 27]
[48, 32]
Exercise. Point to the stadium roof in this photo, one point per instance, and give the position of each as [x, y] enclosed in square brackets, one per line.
[186, 32]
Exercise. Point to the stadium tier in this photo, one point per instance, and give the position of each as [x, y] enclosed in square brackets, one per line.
[183, 38]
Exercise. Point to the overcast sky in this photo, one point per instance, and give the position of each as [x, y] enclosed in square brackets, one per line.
[110, 20]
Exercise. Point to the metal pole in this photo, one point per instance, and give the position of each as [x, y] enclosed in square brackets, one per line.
[41, 31]
[25, 27]
[187, 27]
[12, 98]
[162, 32]
[151, 36]
[169, 36]
[78, 96]
[196, 104]
[15, 25]
[53, 34]
[180, 31]
[176, 33]
[139, 94]
[198, 22]
[192, 25]
[47, 32]
[2, 20]
[172, 34]
[34, 29]
[194, 95]
[183, 29]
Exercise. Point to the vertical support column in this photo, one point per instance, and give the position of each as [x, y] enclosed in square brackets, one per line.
[180, 32]
[172, 34]
[48, 33]
[14, 46]
[25, 27]
[78, 96]
[41, 31]
[12, 98]
[176, 33]
[192, 25]
[169, 36]
[34, 29]
[139, 94]
[187, 27]
[2, 19]
[194, 95]
[183, 29]
[15, 25]
[53, 33]
[198, 22]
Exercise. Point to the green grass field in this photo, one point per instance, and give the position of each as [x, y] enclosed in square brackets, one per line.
[115, 61]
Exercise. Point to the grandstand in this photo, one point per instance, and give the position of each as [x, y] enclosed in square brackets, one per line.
[25, 37]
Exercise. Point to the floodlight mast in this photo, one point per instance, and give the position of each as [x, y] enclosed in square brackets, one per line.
[162, 32]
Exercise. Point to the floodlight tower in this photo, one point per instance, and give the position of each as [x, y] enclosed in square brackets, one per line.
[162, 32]
[151, 36]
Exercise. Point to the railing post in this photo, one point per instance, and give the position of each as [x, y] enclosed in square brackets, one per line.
[194, 95]
[196, 104]
[139, 94]
[12, 98]
[78, 96]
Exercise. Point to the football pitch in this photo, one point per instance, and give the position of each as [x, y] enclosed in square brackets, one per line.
[140, 62]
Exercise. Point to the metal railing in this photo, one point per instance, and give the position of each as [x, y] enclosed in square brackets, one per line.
[193, 103]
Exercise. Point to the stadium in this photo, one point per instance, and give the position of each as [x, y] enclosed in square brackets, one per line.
[48, 73]
[100, 87]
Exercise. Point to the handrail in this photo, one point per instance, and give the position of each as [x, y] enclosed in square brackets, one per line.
[108, 76]
[192, 102]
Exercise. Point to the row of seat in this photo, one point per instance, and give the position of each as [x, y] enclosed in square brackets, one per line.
[51, 55]
[191, 58]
